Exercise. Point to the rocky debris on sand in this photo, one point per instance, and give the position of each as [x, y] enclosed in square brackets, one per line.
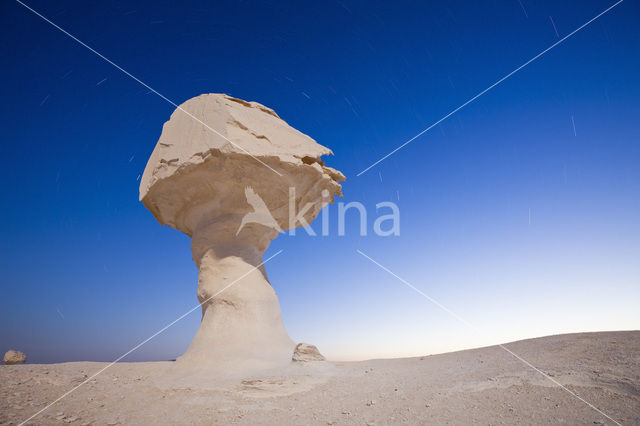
[305, 352]
[14, 357]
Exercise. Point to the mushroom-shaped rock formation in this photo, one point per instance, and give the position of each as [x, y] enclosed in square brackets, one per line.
[231, 174]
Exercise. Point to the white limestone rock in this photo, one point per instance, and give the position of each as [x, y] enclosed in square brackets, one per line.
[206, 186]
[14, 357]
[305, 352]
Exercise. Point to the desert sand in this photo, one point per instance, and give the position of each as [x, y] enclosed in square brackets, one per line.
[478, 386]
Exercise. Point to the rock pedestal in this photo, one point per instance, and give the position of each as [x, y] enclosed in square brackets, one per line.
[241, 318]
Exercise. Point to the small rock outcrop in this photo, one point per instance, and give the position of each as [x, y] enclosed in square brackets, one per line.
[14, 357]
[305, 353]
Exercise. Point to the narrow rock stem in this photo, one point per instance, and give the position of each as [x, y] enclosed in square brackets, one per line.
[242, 323]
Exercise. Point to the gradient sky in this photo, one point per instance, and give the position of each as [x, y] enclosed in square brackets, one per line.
[508, 217]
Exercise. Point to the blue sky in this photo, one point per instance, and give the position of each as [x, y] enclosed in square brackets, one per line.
[508, 217]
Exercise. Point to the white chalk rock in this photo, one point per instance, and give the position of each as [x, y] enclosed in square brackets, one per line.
[305, 353]
[14, 357]
[224, 172]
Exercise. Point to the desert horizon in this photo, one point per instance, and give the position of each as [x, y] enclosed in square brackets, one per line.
[374, 356]
[483, 384]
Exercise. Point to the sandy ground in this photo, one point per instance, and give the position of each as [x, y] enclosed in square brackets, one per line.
[479, 386]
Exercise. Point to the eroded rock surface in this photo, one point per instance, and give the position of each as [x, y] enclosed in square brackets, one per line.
[305, 353]
[231, 174]
[14, 357]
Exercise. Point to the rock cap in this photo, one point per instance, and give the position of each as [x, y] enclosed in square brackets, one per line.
[215, 146]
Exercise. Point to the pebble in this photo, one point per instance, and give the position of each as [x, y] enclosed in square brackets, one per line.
[370, 403]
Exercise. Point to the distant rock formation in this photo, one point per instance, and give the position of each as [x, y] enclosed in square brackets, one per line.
[14, 357]
[224, 172]
[305, 353]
